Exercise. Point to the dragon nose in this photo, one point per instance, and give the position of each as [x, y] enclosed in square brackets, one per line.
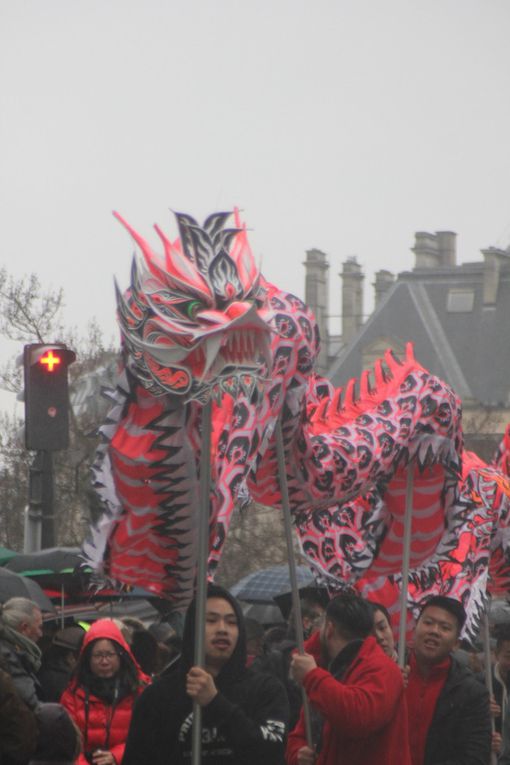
[234, 310]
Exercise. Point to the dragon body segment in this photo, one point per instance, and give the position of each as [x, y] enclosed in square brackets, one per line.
[202, 321]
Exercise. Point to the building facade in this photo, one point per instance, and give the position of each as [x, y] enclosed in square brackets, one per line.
[457, 317]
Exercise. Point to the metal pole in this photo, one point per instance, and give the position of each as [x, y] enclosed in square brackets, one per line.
[406, 554]
[488, 670]
[34, 510]
[40, 519]
[48, 501]
[296, 604]
[202, 556]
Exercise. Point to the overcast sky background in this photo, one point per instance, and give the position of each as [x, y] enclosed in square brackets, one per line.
[345, 125]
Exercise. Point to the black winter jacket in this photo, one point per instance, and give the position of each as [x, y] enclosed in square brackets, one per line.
[18, 726]
[245, 723]
[460, 732]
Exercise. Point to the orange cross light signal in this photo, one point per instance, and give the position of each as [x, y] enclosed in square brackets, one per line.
[50, 361]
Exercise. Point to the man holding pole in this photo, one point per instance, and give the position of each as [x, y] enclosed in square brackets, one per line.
[244, 713]
[358, 706]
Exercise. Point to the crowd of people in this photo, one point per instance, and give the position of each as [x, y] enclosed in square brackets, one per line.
[117, 692]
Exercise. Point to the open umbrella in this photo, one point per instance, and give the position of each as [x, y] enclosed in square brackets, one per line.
[15, 586]
[5, 555]
[53, 568]
[262, 586]
[263, 613]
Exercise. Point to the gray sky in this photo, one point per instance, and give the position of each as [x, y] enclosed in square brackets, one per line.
[340, 124]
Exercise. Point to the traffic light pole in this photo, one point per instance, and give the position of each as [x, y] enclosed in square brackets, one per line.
[40, 519]
[46, 396]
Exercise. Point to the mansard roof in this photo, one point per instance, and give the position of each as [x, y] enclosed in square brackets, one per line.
[457, 332]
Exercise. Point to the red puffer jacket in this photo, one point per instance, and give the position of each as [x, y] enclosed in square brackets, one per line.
[103, 726]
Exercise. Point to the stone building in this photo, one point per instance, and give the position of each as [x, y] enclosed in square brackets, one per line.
[457, 316]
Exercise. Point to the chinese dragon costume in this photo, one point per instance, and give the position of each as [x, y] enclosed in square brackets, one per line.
[200, 321]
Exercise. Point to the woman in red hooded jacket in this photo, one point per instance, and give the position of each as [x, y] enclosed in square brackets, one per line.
[100, 697]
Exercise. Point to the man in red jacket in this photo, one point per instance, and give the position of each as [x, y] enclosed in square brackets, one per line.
[359, 714]
[449, 713]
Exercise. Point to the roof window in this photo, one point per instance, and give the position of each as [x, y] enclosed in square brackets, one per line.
[460, 301]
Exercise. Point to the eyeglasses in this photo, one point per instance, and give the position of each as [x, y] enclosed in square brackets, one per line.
[103, 655]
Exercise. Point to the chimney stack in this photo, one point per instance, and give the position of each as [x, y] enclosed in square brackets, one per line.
[384, 280]
[435, 250]
[494, 258]
[425, 250]
[352, 298]
[447, 247]
[316, 297]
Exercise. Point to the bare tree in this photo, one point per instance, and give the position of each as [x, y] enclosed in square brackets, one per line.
[258, 529]
[32, 315]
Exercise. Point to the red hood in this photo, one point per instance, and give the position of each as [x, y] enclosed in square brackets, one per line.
[106, 629]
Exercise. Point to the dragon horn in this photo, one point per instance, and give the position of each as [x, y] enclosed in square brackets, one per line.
[336, 401]
[350, 393]
[380, 378]
[148, 254]
[364, 384]
[392, 361]
[321, 409]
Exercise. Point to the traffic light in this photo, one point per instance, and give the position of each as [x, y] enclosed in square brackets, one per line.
[46, 396]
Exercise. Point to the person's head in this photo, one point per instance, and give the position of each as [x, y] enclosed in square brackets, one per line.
[382, 629]
[438, 629]
[24, 616]
[348, 617]
[161, 631]
[59, 739]
[273, 636]
[104, 658]
[502, 651]
[225, 634]
[65, 646]
[221, 633]
[106, 655]
[128, 625]
[312, 615]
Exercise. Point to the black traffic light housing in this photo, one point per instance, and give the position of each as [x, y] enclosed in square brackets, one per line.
[47, 396]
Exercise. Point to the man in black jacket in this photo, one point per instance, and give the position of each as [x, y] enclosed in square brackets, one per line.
[244, 713]
[20, 629]
[449, 717]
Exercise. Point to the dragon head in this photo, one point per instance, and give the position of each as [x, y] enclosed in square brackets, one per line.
[193, 320]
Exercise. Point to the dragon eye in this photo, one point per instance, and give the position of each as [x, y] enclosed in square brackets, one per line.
[192, 308]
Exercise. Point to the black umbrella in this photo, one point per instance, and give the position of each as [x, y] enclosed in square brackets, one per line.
[53, 568]
[262, 586]
[264, 613]
[15, 586]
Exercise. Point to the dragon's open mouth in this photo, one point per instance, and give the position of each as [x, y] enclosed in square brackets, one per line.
[242, 351]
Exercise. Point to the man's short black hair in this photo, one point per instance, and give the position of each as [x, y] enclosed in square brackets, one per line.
[352, 616]
[454, 607]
